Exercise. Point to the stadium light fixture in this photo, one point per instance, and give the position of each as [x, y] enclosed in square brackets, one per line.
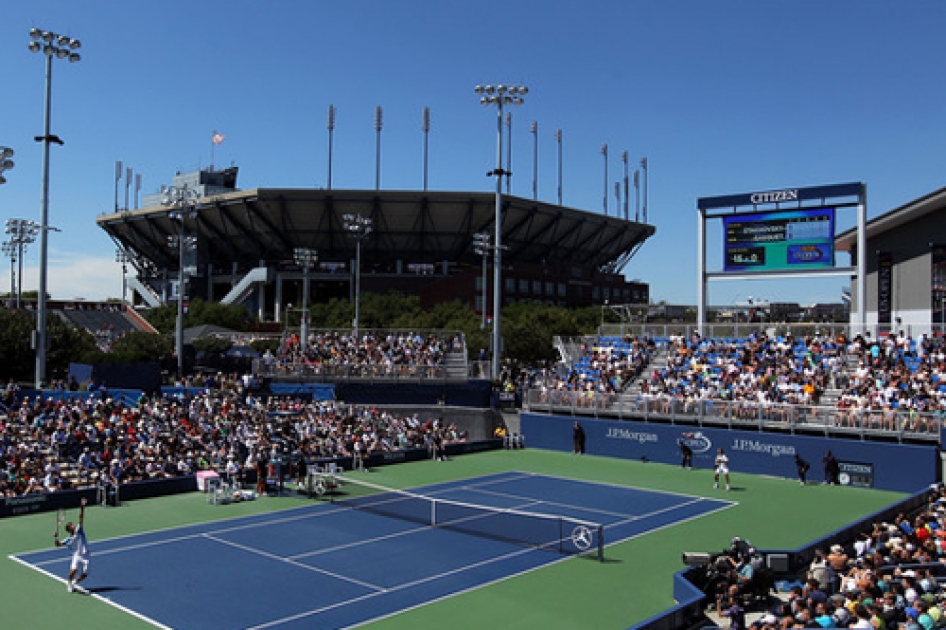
[184, 203]
[359, 227]
[5, 162]
[500, 96]
[305, 257]
[60, 47]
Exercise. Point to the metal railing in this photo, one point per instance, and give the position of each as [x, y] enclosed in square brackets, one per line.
[876, 423]
[327, 373]
[742, 330]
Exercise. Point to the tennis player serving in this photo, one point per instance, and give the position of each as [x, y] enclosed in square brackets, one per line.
[79, 545]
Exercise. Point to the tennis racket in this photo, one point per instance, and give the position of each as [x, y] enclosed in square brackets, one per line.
[60, 517]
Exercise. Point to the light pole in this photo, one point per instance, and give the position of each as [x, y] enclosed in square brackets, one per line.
[22, 233]
[359, 227]
[305, 257]
[184, 202]
[508, 152]
[425, 127]
[627, 190]
[331, 137]
[121, 256]
[500, 96]
[61, 47]
[481, 245]
[9, 249]
[604, 152]
[377, 150]
[558, 141]
[5, 162]
[644, 169]
[534, 128]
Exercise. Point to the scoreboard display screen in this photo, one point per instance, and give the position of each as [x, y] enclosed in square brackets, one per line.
[779, 240]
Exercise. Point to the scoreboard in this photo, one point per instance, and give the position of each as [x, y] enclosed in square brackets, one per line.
[779, 240]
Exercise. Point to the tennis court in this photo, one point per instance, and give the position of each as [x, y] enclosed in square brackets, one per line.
[327, 565]
[633, 583]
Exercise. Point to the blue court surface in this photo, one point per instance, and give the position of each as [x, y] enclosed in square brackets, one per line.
[329, 566]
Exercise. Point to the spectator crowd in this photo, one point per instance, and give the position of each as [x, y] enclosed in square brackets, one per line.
[893, 383]
[370, 354]
[889, 577]
[48, 445]
[600, 371]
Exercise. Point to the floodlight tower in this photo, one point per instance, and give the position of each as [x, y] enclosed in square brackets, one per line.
[60, 47]
[22, 234]
[184, 202]
[359, 227]
[500, 96]
[305, 257]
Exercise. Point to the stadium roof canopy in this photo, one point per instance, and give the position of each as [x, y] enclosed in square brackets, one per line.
[908, 212]
[265, 225]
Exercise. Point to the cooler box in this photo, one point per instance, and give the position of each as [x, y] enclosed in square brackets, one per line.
[203, 476]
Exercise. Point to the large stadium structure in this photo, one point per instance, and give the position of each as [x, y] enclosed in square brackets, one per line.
[421, 242]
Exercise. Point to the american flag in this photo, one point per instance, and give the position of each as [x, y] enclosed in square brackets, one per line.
[218, 137]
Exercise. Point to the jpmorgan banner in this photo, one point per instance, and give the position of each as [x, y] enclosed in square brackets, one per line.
[883, 465]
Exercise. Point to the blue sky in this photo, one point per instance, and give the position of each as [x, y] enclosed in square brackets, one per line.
[721, 97]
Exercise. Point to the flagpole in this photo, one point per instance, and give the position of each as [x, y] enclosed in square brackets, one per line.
[212, 146]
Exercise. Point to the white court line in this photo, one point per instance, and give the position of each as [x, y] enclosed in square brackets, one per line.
[176, 539]
[272, 556]
[400, 587]
[313, 507]
[611, 484]
[124, 609]
[696, 499]
[666, 525]
[472, 486]
[622, 515]
[364, 541]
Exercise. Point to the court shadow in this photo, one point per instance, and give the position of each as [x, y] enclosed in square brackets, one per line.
[108, 589]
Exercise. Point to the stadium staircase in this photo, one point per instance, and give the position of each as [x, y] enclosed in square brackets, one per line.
[632, 392]
[832, 393]
[455, 366]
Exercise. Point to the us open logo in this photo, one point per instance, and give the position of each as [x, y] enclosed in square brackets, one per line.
[697, 442]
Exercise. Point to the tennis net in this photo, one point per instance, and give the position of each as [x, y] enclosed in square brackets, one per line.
[551, 532]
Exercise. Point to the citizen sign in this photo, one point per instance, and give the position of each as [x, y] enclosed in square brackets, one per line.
[774, 196]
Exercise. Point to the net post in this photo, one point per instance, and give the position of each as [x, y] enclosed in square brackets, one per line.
[600, 543]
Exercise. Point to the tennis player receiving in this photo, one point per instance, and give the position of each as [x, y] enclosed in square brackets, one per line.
[79, 545]
[722, 468]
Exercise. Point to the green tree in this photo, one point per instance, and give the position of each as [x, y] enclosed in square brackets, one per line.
[19, 359]
[212, 345]
[164, 317]
[67, 344]
[141, 346]
[528, 330]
